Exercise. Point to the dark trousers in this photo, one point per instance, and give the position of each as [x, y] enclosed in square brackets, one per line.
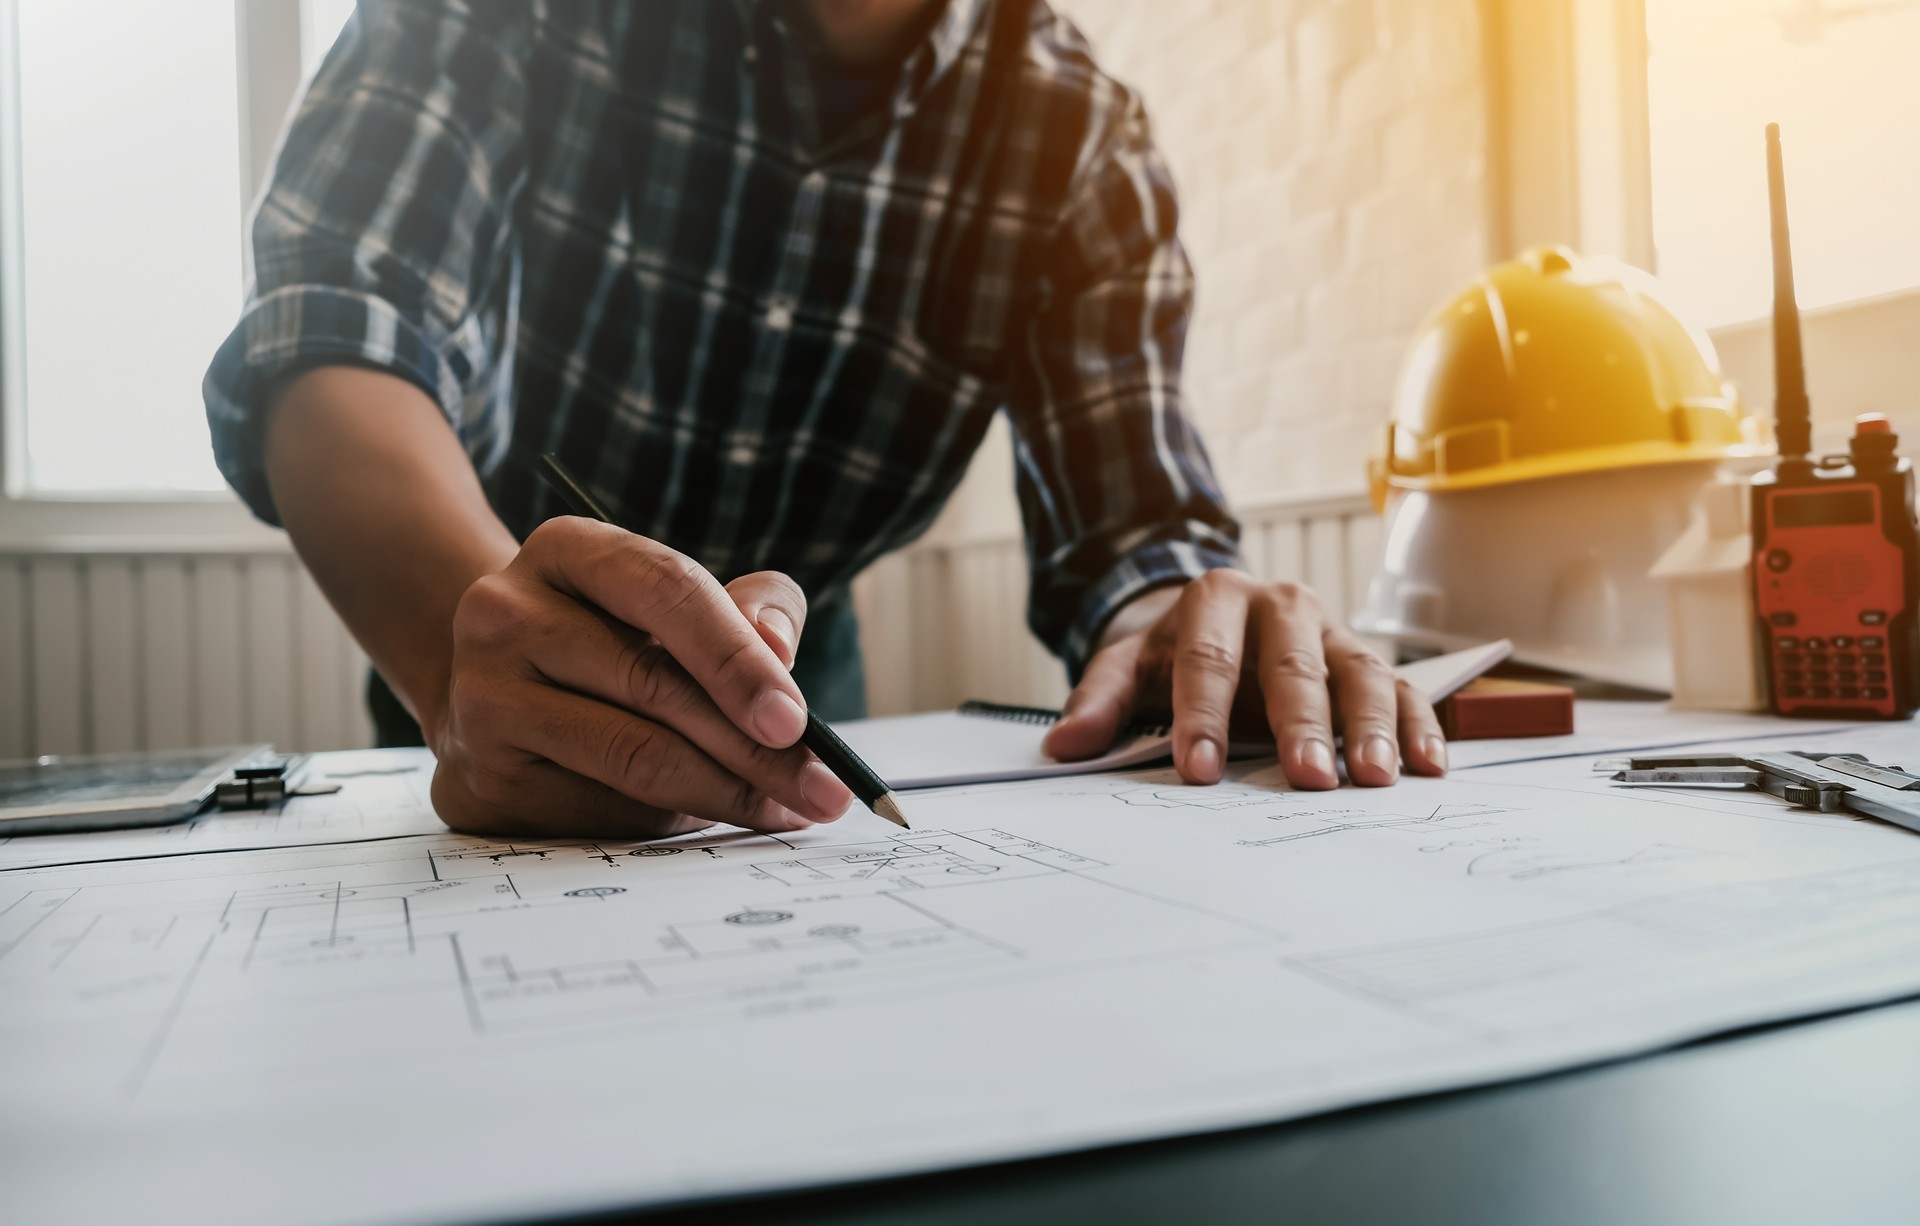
[829, 671]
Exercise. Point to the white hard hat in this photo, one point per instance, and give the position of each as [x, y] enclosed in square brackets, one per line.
[1560, 567]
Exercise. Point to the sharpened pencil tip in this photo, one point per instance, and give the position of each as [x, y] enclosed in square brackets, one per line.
[888, 806]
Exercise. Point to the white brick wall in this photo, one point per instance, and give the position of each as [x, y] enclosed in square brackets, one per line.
[1330, 157]
[1331, 161]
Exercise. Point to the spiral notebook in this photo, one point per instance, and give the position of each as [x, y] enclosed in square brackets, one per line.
[990, 742]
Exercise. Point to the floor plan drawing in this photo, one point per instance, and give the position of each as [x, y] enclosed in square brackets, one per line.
[1034, 967]
[1441, 819]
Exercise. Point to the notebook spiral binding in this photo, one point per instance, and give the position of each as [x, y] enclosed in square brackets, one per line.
[1146, 725]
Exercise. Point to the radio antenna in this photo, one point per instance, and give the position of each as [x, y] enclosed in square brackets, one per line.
[1793, 419]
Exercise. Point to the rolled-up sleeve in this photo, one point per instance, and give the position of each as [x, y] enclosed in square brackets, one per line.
[384, 237]
[1116, 492]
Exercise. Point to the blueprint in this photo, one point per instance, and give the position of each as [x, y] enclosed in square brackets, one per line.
[441, 1027]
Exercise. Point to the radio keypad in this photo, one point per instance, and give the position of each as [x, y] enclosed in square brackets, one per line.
[1835, 667]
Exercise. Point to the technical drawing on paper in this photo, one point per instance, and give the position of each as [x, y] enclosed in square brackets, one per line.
[1321, 822]
[1047, 966]
[1044, 966]
[801, 917]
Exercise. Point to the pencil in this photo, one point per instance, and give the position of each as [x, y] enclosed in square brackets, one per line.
[819, 739]
[850, 770]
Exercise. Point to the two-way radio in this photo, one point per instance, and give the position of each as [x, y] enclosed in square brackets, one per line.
[1836, 550]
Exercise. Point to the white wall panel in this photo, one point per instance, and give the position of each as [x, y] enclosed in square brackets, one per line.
[113, 662]
[1363, 558]
[121, 651]
[883, 600]
[57, 606]
[933, 656]
[16, 677]
[166, 629]
[1286, 552]
[318, 667]
[108, 652]
[268, 646]
[219, 651]
[1326, 565]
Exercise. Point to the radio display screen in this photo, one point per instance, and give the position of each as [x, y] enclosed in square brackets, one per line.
[1832, 509]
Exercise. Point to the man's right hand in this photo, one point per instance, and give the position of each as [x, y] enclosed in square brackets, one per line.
[603, 684]
[589, 682]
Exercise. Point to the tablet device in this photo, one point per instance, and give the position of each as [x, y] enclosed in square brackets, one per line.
[62, 793]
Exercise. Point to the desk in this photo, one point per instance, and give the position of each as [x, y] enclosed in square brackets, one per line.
[1814, 1122]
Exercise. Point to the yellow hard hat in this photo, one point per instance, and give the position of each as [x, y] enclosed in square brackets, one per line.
[1549, 365]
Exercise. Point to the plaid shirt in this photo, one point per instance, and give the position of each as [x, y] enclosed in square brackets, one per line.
[617, 231]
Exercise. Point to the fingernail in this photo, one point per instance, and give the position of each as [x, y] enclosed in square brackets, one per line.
[1379, 753]
[1204, 759]
[825, 794]
[1436, 750]
[776, 620]
[1317, 756]
[775, 816]
[778, 719]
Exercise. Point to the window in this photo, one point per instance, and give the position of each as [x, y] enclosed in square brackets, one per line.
[1839, 77]
[129, 237]
[131, 136]
[320, 22]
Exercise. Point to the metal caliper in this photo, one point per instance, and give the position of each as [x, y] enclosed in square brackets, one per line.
[1827, 782]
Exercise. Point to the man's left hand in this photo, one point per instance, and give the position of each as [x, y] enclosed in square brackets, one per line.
[1226, 640]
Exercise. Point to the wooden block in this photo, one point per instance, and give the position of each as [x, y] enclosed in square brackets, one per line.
[1490, 707]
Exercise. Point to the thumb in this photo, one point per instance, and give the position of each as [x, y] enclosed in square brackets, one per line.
[777, 608]
[1099, 705]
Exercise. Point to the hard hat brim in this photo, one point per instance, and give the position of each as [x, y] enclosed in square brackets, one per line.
[1567, 464]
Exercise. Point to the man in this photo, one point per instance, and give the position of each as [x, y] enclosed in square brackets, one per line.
[761, 272]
